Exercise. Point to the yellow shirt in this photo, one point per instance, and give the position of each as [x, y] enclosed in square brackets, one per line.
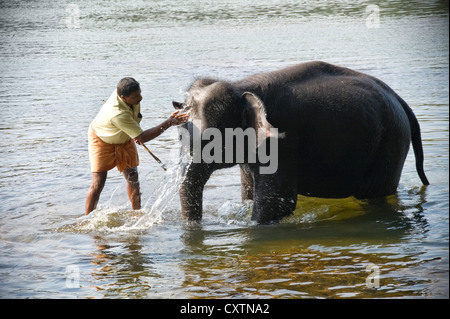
[116, 122]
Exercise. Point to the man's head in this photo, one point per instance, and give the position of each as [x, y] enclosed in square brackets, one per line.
[129, 91]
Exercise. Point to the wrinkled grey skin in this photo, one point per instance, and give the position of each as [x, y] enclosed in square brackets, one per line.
[345, 134]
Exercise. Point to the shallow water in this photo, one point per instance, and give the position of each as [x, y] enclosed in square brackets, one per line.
[60, 59]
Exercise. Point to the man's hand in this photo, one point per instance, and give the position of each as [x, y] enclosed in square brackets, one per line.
[138, 140]
[176, 119]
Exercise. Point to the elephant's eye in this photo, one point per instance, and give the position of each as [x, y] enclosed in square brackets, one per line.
[190, 106]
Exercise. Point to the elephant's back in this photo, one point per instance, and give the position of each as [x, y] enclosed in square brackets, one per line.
[322, 102]
[323, 91]
[301, 72]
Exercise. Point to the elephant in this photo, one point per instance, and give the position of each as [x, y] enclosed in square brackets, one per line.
[338, 133]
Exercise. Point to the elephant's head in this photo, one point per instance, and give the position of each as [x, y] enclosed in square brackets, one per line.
[226, 127]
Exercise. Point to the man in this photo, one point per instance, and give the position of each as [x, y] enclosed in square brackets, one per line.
[113, 135]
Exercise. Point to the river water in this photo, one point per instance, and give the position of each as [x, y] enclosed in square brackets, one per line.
[60, 59]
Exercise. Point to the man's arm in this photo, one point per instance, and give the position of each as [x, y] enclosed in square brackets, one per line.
[156, 131]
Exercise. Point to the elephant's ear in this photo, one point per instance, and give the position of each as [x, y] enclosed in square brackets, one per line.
[254, 113]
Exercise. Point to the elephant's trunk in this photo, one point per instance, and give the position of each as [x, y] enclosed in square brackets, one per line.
[191, 191]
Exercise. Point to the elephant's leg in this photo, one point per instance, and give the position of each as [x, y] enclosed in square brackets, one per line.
[270, 205]
[246, 183]
[275, 195]
[383, 176]
[191, 191]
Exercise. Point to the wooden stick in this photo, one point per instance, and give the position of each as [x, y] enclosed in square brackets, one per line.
[156, 159]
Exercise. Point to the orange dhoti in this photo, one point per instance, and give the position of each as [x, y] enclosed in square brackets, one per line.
[104, 156]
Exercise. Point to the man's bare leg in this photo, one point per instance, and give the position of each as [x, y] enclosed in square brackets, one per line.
[98, 182]
[133, 188]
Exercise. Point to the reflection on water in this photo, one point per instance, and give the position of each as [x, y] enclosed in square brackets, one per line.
[316, 257]
[302, 273]
[256, 264]
[121, 269]
[54, 75]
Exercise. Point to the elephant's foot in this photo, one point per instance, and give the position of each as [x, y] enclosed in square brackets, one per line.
[270, 209]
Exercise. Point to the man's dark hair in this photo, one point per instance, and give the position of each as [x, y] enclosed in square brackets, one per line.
[126, 86]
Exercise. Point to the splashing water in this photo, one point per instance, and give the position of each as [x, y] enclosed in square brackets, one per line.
[169, 188]
[232, 213]
[308, 210]
[107, 219]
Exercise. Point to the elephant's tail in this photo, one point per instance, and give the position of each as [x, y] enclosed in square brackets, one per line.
[416, 140]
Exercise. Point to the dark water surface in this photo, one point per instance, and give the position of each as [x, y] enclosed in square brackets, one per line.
[59, 59]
